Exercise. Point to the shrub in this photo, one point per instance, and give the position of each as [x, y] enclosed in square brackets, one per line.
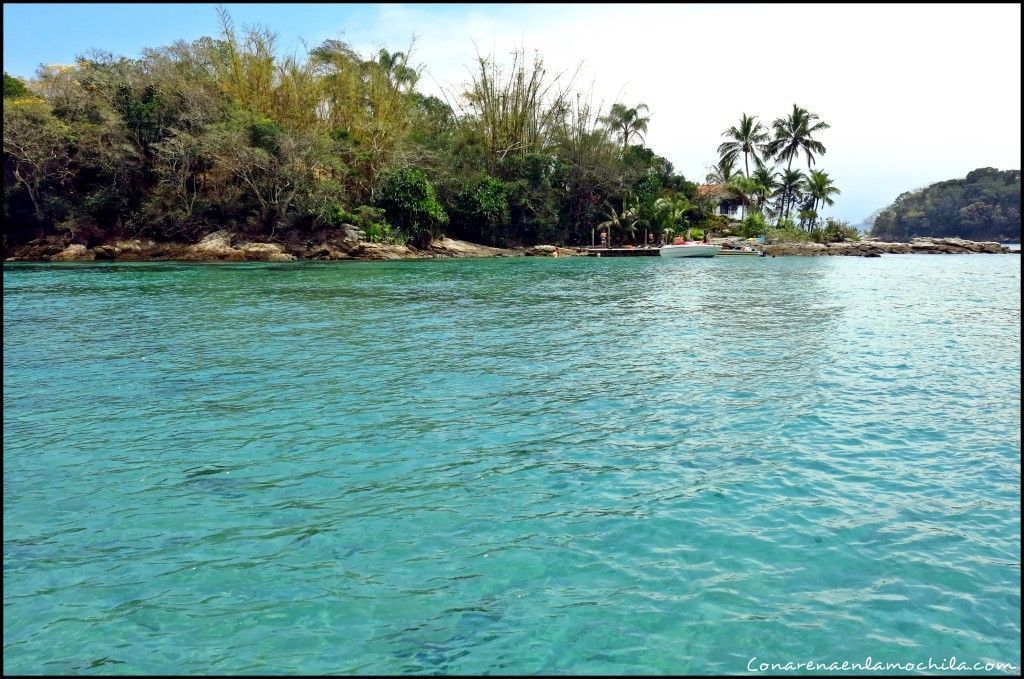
[410, 202]
[753, 225]
[786, 232]
[482, 211]
[381, 232]
[838, 231]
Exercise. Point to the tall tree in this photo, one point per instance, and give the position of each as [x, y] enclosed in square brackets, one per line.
[820, 189]
[766, 183]
[723, 172]
[627, 122]
[791, 183]
[747, 138]
[795, 133]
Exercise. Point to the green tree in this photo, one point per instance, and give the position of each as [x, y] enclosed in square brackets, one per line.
[791, 184]
[795, 134]
[673, 209]
[820, 189]
[411, 204]
[14, 88]
[747, 138]
[627, 123]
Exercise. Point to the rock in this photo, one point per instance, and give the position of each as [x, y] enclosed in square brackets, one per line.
[385, 251]
[265, 252]
[326, 251]
[542, 251]
[40, 249]
[729, 242]
[450, 247]
[956, 245]
[105, 252]
[351, 233]
[74, 253]
[216, 245]
[777, 249]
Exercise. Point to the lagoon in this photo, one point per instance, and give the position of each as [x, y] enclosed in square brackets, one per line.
[511, 465]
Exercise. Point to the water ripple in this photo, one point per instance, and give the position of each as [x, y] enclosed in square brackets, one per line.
[510, 466]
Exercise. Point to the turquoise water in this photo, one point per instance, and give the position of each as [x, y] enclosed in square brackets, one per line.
[512, 465]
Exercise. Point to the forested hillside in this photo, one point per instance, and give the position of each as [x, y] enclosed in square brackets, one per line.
[983, 206]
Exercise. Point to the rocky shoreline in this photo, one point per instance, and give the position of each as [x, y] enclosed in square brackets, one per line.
[875, 248]
[225, 246]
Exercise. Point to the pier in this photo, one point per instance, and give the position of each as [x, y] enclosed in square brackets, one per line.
[622, 252]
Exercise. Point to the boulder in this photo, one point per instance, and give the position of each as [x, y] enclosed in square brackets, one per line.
[351, 233]
[74, 253]
[326, 251]
[40, 249]
[385, 251]
[216, 245]
[450, 247]
[265, 252]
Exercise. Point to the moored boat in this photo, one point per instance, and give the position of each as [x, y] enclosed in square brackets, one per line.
[689, 250]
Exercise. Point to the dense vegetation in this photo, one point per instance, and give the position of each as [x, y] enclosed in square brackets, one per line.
[985, 205]
[227, 133]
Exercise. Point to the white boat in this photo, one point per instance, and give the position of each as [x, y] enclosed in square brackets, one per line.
[689, 250]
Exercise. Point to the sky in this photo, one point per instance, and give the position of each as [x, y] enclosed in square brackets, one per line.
[914, 94]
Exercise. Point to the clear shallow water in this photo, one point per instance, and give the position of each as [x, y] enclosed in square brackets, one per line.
[512, 465]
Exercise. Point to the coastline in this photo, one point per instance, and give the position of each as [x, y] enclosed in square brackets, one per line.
[225, 246]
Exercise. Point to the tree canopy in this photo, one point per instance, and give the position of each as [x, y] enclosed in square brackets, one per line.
[985, 205]
[227, 132]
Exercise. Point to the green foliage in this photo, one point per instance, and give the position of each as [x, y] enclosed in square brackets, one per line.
[839, 231]
[697, 234]
[266, 134]
[753, 225]
[985, 205]
[481, 212]
[411, 204]
[786, 232]
[381, 232]
[15, 88]
[142, 113]
[228, 132]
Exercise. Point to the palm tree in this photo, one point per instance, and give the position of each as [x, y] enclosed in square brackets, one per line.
[636, 215]
[746, 138]
[627, 122]
[743, 188]
[672, 207]
[820, 189]
[791, 183]
[793, 134]
[722, 172]
[766, 182]
[626, 221]
[395, 66]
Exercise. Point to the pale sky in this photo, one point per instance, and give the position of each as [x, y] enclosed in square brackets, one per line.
[915, 93]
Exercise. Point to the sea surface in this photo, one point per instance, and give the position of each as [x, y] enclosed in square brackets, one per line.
[513, 465]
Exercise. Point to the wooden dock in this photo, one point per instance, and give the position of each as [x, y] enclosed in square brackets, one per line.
[621, 252]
